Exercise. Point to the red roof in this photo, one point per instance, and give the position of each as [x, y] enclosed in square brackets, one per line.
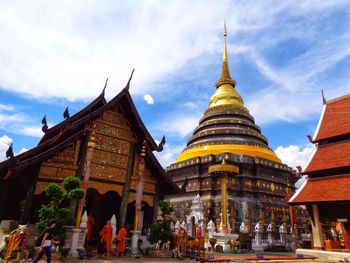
[335, 119]
[330, 156]
[324, 189]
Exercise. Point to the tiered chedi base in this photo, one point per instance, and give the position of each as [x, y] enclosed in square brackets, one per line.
[260, 186]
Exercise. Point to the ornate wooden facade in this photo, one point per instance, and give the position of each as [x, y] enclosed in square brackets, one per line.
[118, 134]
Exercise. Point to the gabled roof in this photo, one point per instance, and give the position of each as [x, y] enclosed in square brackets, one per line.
[61, 135]
[54, 130]
[329, 156]
[335, 119]
[323, 189]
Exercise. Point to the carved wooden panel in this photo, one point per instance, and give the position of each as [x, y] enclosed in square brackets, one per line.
[111, 144]
[103, 188]
[108, 172]
[116, 119]
[108, 130]
[62, 164]
[113, 124]
[110, 159]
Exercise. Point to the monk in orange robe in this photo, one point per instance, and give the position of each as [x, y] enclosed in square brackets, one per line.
[179, 236]
[90, 224]
[106, 237]
[121, 241]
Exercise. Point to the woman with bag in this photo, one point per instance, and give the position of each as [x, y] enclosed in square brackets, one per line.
[46, 242]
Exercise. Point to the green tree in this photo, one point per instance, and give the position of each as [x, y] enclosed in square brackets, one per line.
[161, 230]
[60, 206]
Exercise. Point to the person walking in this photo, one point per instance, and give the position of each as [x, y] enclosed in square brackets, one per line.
[46, 242]
[106, 237]
[121, 241]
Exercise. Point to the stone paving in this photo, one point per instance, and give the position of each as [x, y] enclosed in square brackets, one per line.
[170, 260]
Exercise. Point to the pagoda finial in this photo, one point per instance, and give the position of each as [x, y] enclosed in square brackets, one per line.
[225, 73]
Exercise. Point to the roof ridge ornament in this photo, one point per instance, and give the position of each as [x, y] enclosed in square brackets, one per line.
[127, 87]
[160, 146]
[9, 152]
[44, 128]
[324, 101]
[66, 113]
[104, 89]
[225, 77]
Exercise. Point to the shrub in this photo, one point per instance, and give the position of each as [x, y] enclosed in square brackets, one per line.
[58, 197]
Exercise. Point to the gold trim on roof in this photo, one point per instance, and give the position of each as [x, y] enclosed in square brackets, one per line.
[249, 150]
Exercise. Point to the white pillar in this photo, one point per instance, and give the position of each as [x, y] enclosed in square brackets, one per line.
[74, 245]
[316, 229]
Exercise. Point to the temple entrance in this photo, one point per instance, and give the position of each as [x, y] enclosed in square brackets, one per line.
[147, 215]
[38, 201]
[101, 207]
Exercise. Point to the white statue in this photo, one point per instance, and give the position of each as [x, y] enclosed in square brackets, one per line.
[211, 227]
[243, 228]
[172, 226]
[257, 228]
[283, 231]
[184, 226]
[269, 231]
[257, 236]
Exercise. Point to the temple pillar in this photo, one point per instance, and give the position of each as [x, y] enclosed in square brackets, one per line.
[156, 201]
[87, 170]
[224, 200]
[317, 238]
[138, 220]
[126, 188]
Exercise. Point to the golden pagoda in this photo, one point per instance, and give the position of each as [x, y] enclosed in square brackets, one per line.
[228, 132]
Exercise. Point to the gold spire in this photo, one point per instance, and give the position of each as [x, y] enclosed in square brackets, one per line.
[225, 95]
[225, 73]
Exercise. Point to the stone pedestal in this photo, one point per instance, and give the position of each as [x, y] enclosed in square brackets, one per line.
[73, 252]
[134, 241]
[222, 240]
[75, 239]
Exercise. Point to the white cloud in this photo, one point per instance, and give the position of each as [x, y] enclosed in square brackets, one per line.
[23, 150]
[13, 120]
[69, 49]
[294, 155]
[5, 142]
[169, 154]
[179, 126]
[149, 99]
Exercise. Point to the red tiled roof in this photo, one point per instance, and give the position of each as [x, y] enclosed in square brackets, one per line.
[324, 189]
[330, 156]
[335, 119]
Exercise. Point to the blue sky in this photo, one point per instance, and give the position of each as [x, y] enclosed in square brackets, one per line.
[281, 53]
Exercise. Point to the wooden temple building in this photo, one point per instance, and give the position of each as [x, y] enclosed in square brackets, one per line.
[253, 182]
[326, 191]
[105, 139]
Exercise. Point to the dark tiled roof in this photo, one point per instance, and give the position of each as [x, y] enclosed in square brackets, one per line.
[330, 156]
[323, 189]
[335, 120]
